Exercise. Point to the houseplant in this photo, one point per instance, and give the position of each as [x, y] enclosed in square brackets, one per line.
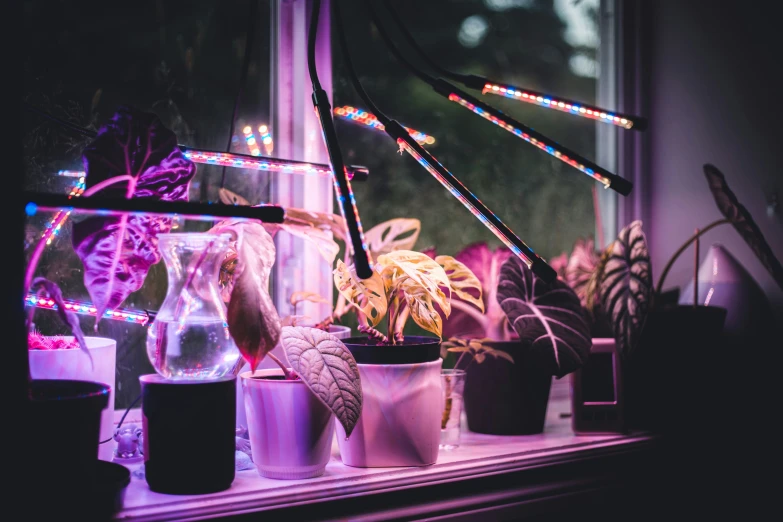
[671, 350]
[400, 424]
[291, 411]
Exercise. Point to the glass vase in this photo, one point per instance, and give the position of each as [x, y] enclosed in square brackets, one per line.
[189, 337]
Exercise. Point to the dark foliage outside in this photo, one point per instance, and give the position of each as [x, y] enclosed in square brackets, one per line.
[181, 60]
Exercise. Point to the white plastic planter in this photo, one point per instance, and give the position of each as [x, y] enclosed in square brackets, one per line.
[400, 420]
[339, 331]
[74, 364]
[290, 429]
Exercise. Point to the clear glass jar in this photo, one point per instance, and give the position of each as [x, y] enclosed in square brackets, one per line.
[189, 337]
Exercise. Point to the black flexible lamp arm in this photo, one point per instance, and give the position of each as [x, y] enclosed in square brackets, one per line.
[404, 140]
[342, 187]
[489, 86]
[548, 145]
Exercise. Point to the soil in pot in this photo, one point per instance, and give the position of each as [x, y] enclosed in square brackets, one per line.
[415, 349]
[672, 377]
[502, 398]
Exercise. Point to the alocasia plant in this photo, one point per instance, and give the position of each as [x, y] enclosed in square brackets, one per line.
[547, 317]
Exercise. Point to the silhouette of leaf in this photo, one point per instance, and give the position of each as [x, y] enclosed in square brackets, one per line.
[743, 222]
[626, 286]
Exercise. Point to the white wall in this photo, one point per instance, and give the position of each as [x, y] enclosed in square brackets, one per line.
[715, 97]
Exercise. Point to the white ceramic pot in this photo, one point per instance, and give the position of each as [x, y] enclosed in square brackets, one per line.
[400, 420]
[339, 331]
[290, 428]
[75, 365]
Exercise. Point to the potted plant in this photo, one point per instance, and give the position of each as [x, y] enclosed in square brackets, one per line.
[291, 410]
[400, 424]
[670, 349]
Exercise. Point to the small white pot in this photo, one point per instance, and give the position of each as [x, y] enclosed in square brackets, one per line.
[290, 428]
[339, 331]
[400, 420]
[74, 364]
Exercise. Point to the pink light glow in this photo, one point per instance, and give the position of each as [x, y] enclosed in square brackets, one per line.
[86, 308]
[367, 118]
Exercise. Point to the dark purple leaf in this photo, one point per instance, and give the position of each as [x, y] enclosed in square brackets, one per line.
[69, 318]
[117, 252]
[626, 286]
[739, 216]
[547, 317]
[465, 321]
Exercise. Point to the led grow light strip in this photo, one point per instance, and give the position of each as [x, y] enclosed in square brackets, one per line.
[474, 205]
[563, 105]
[71, 173]
[55, 224]
[243, 161]
[266, 138]
[539, 141]
[86, 308]
[250, 139]
[367, 118]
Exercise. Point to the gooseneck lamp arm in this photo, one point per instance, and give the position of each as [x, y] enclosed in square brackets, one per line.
[488, 86]
[404, 140]
[548, 145]
[342, 186]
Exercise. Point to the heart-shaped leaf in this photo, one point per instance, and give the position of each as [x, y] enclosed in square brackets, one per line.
[743, 222]
[395, 234]
[367, 295]
[253, 321]
[626, 286]
[116, 252]
[548, 317]
[327, 367]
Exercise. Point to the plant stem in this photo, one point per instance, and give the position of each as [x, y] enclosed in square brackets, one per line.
[682, 249]
[696, 270]
[447, 409]
[106, 183]
[289, 376]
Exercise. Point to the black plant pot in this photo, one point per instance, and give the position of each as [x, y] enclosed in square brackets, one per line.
[63, 435]
[415, 349]
[507, 399]
[189, 434]
[672, 376]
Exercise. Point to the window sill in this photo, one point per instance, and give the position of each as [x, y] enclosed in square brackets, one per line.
[501, 472]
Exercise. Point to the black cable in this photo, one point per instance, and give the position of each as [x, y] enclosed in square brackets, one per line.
[311, 37]
[251, 26]
[76, 128]
[357, 85]
[127, 410]
[393, 48]
[462, 78]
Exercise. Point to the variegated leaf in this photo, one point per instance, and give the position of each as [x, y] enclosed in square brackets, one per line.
[548, 317]
[313, 297]
[327, 367]
[395, 234]
[462, 281]
[253, 321]
[626, 286]
[231, 198]
[367, 295]
[409, 271]
[318, 228]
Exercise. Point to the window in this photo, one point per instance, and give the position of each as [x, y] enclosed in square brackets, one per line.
[183, 61]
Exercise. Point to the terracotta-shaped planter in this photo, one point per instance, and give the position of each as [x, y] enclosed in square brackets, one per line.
[502, 398]
[402, 404]
[290, 429]
[75, 364]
